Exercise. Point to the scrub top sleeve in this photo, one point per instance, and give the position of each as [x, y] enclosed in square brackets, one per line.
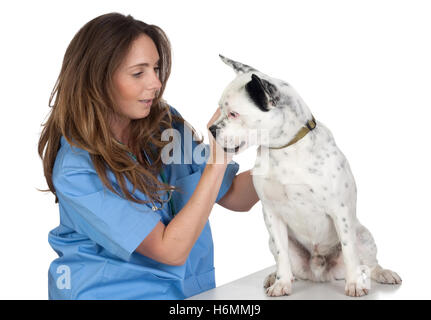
[229, 175]
[117, 224]
[174, 111]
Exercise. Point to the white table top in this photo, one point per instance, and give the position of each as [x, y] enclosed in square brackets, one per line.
[251, 288]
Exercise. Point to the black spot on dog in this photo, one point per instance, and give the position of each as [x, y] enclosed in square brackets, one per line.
[312, 170]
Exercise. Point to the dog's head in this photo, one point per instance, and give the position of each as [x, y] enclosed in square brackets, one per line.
[254, 104]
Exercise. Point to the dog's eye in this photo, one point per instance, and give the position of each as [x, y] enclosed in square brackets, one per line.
[233, 114]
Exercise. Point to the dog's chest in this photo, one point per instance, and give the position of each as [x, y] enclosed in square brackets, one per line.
[299, 207]
[302, 184]
[312, 170]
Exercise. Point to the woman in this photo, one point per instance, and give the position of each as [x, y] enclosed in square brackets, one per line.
[131, 226]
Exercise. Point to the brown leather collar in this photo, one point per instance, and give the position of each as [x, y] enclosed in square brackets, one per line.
[309, 126]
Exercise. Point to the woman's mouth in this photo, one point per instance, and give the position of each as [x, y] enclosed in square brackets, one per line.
[146, 102]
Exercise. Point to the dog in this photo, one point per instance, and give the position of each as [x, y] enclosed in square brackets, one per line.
[308, 192]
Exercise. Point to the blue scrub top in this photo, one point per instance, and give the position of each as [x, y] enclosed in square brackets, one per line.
[99, 232]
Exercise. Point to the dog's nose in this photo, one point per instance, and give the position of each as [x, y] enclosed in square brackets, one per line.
[213, 130]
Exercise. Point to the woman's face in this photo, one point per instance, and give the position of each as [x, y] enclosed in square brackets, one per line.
[136, 81]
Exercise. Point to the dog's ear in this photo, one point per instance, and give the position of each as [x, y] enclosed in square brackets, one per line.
[239, 67]
[263, 93]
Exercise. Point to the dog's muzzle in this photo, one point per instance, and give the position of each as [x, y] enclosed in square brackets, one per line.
[234, 150]
[213, 130]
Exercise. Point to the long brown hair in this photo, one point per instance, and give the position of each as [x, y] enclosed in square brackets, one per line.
[84, 103]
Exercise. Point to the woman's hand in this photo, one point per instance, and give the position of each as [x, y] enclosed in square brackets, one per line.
[217, 154]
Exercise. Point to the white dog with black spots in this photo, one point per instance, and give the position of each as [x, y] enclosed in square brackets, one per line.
[307, 189]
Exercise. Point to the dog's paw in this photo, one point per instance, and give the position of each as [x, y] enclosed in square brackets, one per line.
[276, 287]
[279, 288]
[355, 289]
[386, 276]
[269, 280]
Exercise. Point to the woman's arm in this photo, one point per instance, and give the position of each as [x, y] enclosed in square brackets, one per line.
[171, 244]
[241, 196]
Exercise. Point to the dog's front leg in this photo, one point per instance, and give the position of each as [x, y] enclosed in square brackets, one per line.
[279, 247]
[357, 276]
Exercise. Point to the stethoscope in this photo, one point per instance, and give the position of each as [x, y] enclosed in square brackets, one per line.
[162, 175]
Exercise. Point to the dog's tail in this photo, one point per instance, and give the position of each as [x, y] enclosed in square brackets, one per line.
[318, 267]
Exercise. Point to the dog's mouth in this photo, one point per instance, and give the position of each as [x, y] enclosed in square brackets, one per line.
[234, 150]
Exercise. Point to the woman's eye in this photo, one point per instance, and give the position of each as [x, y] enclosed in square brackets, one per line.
[136, 75]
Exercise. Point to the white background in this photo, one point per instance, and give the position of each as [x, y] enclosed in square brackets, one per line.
[363, 67]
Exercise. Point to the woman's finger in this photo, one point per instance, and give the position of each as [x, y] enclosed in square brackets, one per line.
[215, 116]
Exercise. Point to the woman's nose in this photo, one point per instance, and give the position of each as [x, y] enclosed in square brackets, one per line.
[155, 82]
